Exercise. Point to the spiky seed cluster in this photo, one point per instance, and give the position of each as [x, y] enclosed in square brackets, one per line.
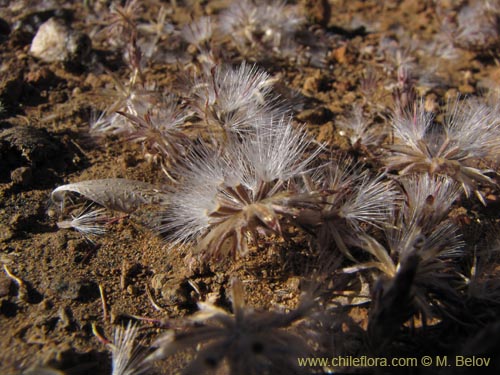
[246, 341]
[257, 177]
[147, 117]
[230, 99]
[429, 198]
[482, 34]
[199, 32]
[424, 217]
[470, 134]
[121, 22]
[425, 214]
[421, 246]
[360, 131]
[228, 195]
[418, 272]
[261, 27]
[132, 98]
[159, 132]
[224, 100]
[351, 203]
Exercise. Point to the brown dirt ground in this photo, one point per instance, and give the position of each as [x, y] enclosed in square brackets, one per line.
[49, 320]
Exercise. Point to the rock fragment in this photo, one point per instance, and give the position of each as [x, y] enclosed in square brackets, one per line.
[55, 41]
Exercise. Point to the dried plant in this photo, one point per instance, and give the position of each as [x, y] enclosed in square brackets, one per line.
[481, 35]
[424, 280]
[469, 135]
[88, 222]
[228, 196]
[134, 98]
[121, 23]
[127, 356]
[230, 99]
[262, 28]
[246, 341]
[113, 193]
[145, 116]
[429, 199]
[404, 92]
[421, 227]
[418, 262]
[222, 98]
[351, 202]
[361, 132]
[481, 277]
[399, 54]
[199, 32]
[160, 134]
[159, 28]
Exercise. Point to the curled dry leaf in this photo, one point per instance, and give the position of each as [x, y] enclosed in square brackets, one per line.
[113, 193]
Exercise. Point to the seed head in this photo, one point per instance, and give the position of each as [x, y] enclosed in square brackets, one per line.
[227, 195]
[199, 32]
[470, 134]
[351, 202]
[230, 99]
[429, 198]
[361, 132]
[482, 34]
[261, 27]
[246, 341]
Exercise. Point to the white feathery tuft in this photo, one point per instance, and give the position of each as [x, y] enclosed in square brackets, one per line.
[127, 357]
[88, 222]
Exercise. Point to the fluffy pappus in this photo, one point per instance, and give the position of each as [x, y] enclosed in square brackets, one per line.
[417, 258]
[159, 131]
[158, 28]
[478, 26]
[246, 341]
[399, 55]
[418, 274]
[422, 226]
[278, 150]
[227, 196]
[351, 201]
[134, 98]
[127, 355]
[469, 135]
[361, 132]
[261, 27]
[199, 32]
[230, 98]
[147, 117]
[429, 198]
[121, 23]
[89, 222]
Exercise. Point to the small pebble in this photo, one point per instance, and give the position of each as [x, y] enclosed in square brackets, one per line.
[54, 41]
[133, 290]
[5, 285]
[6, 233]
[22, 176]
